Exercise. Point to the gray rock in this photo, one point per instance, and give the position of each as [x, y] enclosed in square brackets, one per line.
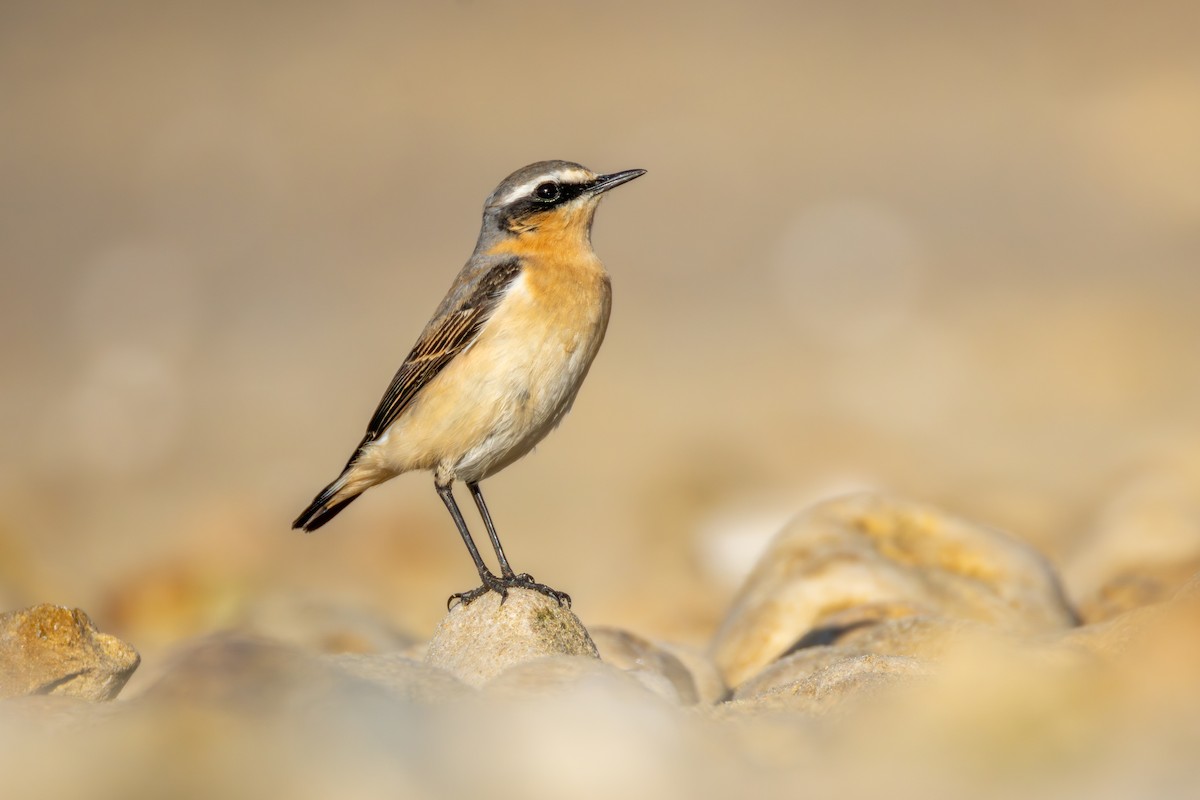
[477, 642]
[864, 558]
[242, 673]
[53, 650]
[656, 667]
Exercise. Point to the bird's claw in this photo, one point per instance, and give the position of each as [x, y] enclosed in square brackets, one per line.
[501, 585]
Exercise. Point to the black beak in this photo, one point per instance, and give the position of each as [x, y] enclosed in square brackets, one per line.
[605, 182]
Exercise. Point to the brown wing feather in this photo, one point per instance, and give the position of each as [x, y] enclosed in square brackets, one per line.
[447, 336]
[455, 326]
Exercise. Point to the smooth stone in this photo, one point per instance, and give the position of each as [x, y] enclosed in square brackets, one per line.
[242, 673]
[863, 558]
[710, 686]
[403, 677]
[1142, 546]
[823, 680]
[1133, 588]
[1168, 629]
[928, 638]
[477, 642]
[928, 641]
[52, 650]
[657, 667]
[548, 676]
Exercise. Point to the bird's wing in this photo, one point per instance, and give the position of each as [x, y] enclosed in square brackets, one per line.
[453, 329]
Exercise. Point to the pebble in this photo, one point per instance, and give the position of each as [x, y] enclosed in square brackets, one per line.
[52, 650]
[856, 560]
[825, 680]
[657, 667]
[1143, 544]
[477, 642]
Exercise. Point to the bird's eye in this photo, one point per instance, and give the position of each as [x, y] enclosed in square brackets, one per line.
[548, 191]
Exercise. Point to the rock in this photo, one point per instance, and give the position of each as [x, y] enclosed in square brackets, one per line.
[402, 677]
[322, 625]
[546, 676]
[911, 645]
[1167, 628]
[710, 686]
[927, 638]
[915, 640]
[927, 641]
[477, 642]
[658, 668]
[241, 673]
[1143, 545]
[1133, 588]
[562, 727]
[49, 649]
[822, 680]
[35, 715]
[857, 560]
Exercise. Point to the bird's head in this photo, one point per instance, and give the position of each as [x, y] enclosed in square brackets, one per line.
[550, 198]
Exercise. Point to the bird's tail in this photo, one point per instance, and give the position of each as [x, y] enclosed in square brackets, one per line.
[327, 504]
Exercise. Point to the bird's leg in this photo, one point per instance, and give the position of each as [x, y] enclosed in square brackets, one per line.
[507, 576]
[490, 581]
[505, 570]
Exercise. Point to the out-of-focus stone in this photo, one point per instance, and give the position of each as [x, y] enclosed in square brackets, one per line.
[639, 656]
[242, 673]
[477, 642]
[565, 727]
[37, 714]
[1133, 588]
[925, 641]
[550, 674]
[1144, 544]
[710, 686]
[822, 680]
[49, 649]
[927, 638]
[322, 625]
[1169, 628]
[402, 677]
[857, 560]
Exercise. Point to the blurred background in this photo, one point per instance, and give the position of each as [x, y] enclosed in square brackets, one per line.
[949, 250]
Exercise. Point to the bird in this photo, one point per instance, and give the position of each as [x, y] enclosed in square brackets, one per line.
[500, 362]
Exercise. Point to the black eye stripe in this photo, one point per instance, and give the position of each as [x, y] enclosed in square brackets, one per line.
[530, 204]
[553, 193]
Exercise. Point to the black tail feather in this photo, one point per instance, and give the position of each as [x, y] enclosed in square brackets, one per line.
[320, 512]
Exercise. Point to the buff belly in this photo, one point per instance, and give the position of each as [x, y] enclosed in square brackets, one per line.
[498, 399]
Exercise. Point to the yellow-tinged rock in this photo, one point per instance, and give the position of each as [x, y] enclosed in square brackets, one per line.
[52, 650]
[857, 560]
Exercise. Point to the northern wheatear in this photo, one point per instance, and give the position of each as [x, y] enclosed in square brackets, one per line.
[500, 362]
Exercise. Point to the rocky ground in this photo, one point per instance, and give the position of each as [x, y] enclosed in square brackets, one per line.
[880, 647]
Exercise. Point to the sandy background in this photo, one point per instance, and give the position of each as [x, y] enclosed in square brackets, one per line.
[949, 250]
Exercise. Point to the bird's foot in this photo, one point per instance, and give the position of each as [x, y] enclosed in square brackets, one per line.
[501, 584]
[526, 581]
